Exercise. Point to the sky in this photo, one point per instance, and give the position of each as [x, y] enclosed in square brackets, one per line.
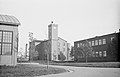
[76, 19]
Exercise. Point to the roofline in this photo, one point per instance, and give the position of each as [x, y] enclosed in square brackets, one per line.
[9, 24]
[96, 37]
[62, 39]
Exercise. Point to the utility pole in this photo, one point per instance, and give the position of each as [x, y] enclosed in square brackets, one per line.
[47, 51]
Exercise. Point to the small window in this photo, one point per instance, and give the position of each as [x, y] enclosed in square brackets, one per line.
[96, 54]
[92, 43]
[100, 42]
[104, 41]
[78, 45]
[93, 54]
[104, 54]
[96, 42]
[100, 54]
[112, 38]
[89, 43]
[6, 49]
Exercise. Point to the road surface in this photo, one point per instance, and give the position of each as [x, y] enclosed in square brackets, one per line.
[86, 72]
[83, 72]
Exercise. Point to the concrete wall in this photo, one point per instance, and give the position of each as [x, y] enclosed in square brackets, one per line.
[10, 59]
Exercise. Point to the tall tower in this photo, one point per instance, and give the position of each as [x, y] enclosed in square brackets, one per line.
[53, 37]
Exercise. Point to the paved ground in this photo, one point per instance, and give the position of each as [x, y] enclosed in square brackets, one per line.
[85, 72]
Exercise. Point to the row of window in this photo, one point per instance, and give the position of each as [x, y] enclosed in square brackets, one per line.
[96, 54]
[94, 42]
[99, 54]
[6, 42]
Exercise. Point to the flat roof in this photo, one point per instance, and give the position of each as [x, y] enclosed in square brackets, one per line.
[96, 37]
[10, 20]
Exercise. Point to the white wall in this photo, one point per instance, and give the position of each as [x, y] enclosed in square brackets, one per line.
[10, 59]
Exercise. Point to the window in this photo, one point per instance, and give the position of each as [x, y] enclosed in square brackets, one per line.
[6, 42]
[96, 54]
[92, 43]
[93, 54]
[89, 43]
[96, 42]
[100, 54]
[78, 45]
[100, 42]
[104, 41]
[112, 38]
[7, 37]
[104, 54]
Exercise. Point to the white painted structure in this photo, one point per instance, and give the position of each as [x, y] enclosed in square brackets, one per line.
[8, 40]
[57, 44]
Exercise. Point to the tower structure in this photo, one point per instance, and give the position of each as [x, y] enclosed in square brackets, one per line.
[53, 38]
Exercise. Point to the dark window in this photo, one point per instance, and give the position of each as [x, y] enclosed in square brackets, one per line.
[6, 42]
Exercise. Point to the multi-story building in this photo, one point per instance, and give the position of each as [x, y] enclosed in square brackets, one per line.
[58, 45]
[8, 40]
[104, 48]
[55, 46]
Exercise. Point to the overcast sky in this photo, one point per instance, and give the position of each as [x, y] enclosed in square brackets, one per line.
[76, 19]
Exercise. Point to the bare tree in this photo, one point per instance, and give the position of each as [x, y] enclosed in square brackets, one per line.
[86, 49]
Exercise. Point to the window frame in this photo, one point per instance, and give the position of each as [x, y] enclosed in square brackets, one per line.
[104, 41]
[2, 43]
[100, 42]
[96, 42]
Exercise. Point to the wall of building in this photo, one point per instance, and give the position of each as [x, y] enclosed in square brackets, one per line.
[62, 47]
[104, 51]
[33, 54]
[10, 59]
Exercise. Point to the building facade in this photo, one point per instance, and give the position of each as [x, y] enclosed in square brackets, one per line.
[33, 54]
[53, 37]
[58, 45]
[62, 49]
[55, 47]
[8, 40]
[104, 48]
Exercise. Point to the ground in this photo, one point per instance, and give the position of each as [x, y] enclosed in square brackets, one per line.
[29, 70]
[86, 72]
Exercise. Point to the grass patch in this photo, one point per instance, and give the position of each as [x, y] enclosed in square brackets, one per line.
[89, 64]
[27, 70]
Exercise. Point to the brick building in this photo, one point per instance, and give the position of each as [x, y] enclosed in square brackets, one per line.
[104, 48]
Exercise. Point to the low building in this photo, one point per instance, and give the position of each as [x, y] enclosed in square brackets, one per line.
[8, 40]
[104, 48]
